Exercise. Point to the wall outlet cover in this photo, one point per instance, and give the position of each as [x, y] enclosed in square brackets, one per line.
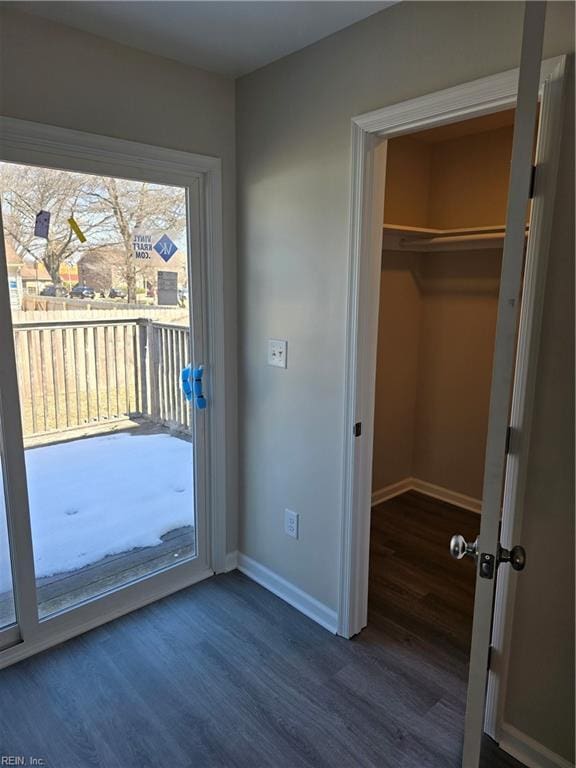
[291, 523]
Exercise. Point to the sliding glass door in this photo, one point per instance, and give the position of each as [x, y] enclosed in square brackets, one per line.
[7, 602]
[107, 299]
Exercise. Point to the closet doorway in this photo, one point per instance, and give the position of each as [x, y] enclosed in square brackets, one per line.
[445, 199]
[535, 93]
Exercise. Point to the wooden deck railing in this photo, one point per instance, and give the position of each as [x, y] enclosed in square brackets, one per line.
[90, 372]
[164, 351]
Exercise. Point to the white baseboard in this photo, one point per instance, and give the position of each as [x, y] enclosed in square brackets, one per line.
[396, 489]
[231, 562]
[299, 599]
[445, 494]
[428, 489]
[528, 751]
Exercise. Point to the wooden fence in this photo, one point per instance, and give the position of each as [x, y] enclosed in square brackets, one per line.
[90, 372]
[170, 315]
[32, 303]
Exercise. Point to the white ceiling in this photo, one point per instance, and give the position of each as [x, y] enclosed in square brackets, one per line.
[229, 37]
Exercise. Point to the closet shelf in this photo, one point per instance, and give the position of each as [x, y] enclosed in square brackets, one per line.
[405, 238]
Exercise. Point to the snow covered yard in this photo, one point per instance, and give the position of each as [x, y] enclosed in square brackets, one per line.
[102, 496]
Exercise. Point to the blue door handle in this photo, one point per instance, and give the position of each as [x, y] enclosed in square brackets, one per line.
[191, 383]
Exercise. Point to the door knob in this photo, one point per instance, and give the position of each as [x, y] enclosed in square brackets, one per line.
[515, 556]
[460, 547]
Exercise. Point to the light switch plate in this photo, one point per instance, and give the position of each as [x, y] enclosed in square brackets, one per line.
[277, 352]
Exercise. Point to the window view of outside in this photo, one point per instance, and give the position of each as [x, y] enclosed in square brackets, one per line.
[99, 290]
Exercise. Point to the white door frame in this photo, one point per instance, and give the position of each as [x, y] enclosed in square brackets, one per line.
[369, 134]
[49, 146]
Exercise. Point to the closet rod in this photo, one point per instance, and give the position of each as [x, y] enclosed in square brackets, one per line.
[458, 242]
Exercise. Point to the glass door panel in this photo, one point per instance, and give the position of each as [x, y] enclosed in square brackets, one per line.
[7, 606]
[100, 292]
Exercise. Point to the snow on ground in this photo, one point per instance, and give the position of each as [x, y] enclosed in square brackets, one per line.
[101, 496]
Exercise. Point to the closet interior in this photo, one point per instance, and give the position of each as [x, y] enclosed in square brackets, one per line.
[443, 228]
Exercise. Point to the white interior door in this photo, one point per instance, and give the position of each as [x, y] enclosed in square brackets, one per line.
[487, 549]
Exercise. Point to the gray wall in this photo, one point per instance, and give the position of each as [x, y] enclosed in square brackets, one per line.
[52, 74]
[293, 138]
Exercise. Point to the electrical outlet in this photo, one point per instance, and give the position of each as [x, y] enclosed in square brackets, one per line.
[277, 351]
[291, 523]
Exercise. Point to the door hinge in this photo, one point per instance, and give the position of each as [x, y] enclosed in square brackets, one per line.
[357, 431]
[532, 182]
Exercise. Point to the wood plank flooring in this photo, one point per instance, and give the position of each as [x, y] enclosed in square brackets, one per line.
[226, 674]
[413, 579]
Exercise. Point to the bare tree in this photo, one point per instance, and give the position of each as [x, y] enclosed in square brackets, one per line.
[131, 206]
[108, 210]
[26, 190]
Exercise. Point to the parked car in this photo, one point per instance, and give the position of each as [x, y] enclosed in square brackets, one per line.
[54, 290]
[81, 291]
[117, 293]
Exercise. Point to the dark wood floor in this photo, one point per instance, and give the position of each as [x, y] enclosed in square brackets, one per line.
[422, 600]
[226, 674]
[413, 580]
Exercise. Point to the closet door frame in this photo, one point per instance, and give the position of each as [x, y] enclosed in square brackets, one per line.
[370, 132]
